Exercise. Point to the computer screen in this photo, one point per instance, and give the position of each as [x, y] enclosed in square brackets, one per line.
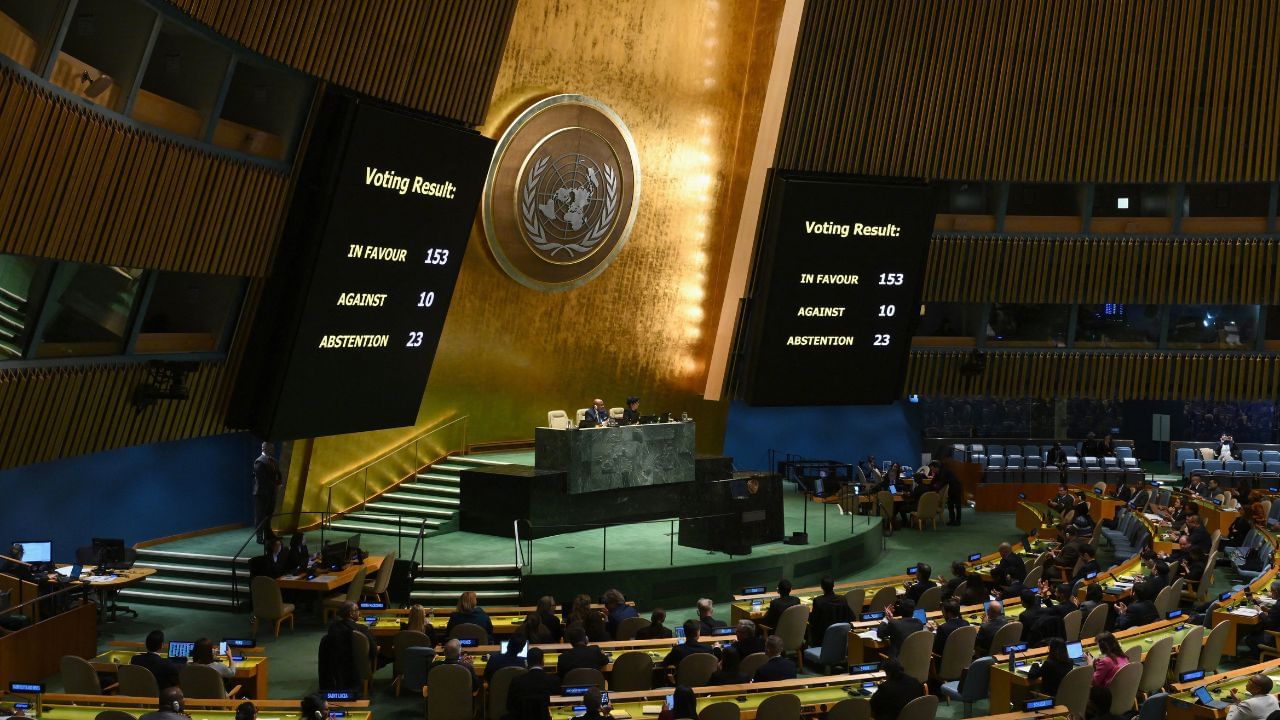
[893, 489]
[921, 615]
[1075, 650]
[975, 557]
[872, 616]
[1202, 694]
[36, 551]
[181, 648]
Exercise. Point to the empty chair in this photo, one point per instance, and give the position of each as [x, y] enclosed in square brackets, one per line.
[1190, 466]
[995, 450]
[628, 628]
[1189, 652]
[558, 420]
[723, 710]
[882, 598]
[499, 685]
[203, 682]
[1153, 708]
[855, 599]
[781, 707]
[1013, 461]
[927, 511]
[995, 461]
[268, 605]
[1183, 454]
[400, 645]
[1008, 634]
[1155, 668]
[449, 693]
[694, 671]
[137, 681]
[1270, 456]
[579, 415]
[973, 685]
[922, 708]
[916, 652]
[791, 628]
[377, 587]
[360, 660]
[1073, 691]
[848, 709]
[1124, 451]
[1072, 622]
[1214, 646]
[1166, 600]
[633, 670]
[615, 413]
[113, 715]
[352, 594]
[751, 663]
[1124, 688]
[79, 677]
[957, 652]
[1250, 456]
[469, 631]
[1253, 466]
[834, 650]
[1030, 451]
[592, 676]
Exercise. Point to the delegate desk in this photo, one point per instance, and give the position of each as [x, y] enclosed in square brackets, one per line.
[251, 672]
[1182, 703]
[507, 620]
[1213, 516]
[86, 707]
[614, 458]
[330, 580]
[655, 649]
[1010, 686]
[864, 643]
[1243, 608]
[108, 585]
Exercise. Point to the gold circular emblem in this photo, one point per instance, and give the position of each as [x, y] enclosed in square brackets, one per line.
[562, 193]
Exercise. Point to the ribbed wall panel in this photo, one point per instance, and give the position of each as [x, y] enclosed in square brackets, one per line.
[440, 56]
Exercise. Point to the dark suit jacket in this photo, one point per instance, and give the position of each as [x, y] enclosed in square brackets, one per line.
[1138, 613]
[277, 565]
[654, 632]
[616, 616]
[475, 681]
[1200, 538]
[497, 661]
[944, 631]
[1013, 566]
[165, 670]
[680, 652]
[1050, 673]
[750, 646]
[709, 624]
[896, 631]
[776, 608]
[893, 695]
[583, 656]
[777, 668]
[552, 622]
[1125, 493]
[1140, 499]
[1085, 569]
[827, 611]
[915, 591]
[266, 476]
[987, 633]
[528, 695]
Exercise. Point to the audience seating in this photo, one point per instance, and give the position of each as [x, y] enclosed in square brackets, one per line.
[834, 651]
[791, 628]
[496, 702]
[449, 694]
[693, 671]
[137, 681]
[79, 677]
[400, 645]
[632, 670]
[628, 628]
[972, 685]
[1214, 645]
[751, 663]
[268, 605]
[352, 594]
[916, 653]
[922, 708]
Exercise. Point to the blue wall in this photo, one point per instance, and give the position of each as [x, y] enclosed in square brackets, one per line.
[846, 433]
[135, 493]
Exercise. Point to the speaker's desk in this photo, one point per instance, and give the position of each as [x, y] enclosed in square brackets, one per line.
[615, 458]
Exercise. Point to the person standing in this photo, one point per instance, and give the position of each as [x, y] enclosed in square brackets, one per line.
[947, 478]
[267, 483]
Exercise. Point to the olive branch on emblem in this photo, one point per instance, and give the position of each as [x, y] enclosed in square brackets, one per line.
[533, 226]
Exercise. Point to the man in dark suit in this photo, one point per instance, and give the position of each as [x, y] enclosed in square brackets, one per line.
[275, 561]
[1124, 492]
[1142, 611]
[656, 629]
[1007, 587]
[529, 695]
[581, 655]
[597, 413]
[828, 609]
[748, 641]
[995, 620]
[899, 624]
[1197, 535]
[617, 609]
[923, 582]
[267, 482]
[1090, 565]
[1270, 621]
[779, 605]
[336, 661]
[689, 647]
[1011, 562]
[776, 667]
[1196, 484]
[165, 670]
[951, 620]
[895, 692]
[706, 621]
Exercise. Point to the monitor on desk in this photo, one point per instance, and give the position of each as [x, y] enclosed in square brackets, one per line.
[108, 552]
[181, 649]
[333, 555]
[36, 551]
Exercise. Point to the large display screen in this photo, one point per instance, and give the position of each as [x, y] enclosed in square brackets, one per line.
[362, 287]
[835, 289]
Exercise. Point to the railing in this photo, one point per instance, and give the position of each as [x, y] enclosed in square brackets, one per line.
[520, 557]
[353, 490]
[253, 534]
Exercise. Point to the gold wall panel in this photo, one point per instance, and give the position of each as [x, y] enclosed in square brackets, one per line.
[435, 55]
[1236, 270]
[76, 185]
[1135, 91]
[1106, 376]
[685, 78]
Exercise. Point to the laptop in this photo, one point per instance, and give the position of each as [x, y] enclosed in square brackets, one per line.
[922, 616]
[585, 423]
[1203, 696]
[1075, 651]
[181, 649]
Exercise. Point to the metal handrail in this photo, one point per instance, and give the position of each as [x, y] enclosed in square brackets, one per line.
[519, 552]
[235, 559]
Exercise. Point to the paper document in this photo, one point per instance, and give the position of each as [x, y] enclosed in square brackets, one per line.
[323, 578]
[1245, 612]
[64, 571]
[870, 635]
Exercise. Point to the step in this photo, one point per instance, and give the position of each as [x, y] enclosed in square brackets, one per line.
[368, 516]
[424, 495]
[439, 477]
[10, 350]
[225, 560]
[182, 569]
[450, 597]
[167, 598]
[460, 569]
[372, 529]
[449, 467]
[391, 508]
[193, 586]
[420, 580]
[14, 322]
[446, 490]
[13, 298]
[476, 460]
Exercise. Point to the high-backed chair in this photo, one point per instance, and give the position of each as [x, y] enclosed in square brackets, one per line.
[751, 663]
[855, 599]
[449, 694]
[1214, 645]
[400, 645]
[916, 652]
[137, 681]
[558, 420]
[882, 598]
[973, 685]
[693, 671]
[779, 707]
[1188, 653]
[930, 599]
[361, 661]
[579, 416]
[957, 653]
[114, 715]
[204, 683]
[496, 703]
[469, 631]
[884, 503]
[334, 602]
[1008, 634]
[834, 650]
[377, 587]
[791, 627]
[1073, 691]
[615, 413]
[1096, 622]
[592, 676]
[632, 670]
[1072, 622]
[922, 708]
[927, 511]
[723, 710]
[628, 628]
[1155, 667]
[1124, 688]
[79, 677]
[268, 605]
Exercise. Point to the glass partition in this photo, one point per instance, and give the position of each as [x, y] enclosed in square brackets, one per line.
[90, 308]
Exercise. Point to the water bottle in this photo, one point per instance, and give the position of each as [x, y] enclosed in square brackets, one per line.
[1013, 657]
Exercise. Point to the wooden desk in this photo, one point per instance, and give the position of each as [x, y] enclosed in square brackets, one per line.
[744, 607]
[56, 706]
[1182, 704]
[656, 649]
[1008, 687]
[108, 585]
[864, 649]
[507, 619]
[1213, 516]
[330, 581]
[1031, 517]
[251, 672]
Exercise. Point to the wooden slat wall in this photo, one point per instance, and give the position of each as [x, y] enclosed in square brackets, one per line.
[1108, 376]
[51, 413]
[441, 56]
[75, 185]
[1236, 270]
[1037, 90]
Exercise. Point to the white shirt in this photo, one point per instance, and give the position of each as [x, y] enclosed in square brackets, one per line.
[1257, 707]
[224, 670]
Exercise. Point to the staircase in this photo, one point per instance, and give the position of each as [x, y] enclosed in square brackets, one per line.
[432, 496]
[440, 585]
[188, 580]
[13, 319]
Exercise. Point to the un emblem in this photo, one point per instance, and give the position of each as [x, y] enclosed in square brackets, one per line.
[562, 192]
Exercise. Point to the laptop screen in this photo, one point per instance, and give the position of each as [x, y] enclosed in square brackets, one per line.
[36, 551]
[181, 649]
[1075, 650]
[921, 615]
[873, 616]
[1202, 694]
